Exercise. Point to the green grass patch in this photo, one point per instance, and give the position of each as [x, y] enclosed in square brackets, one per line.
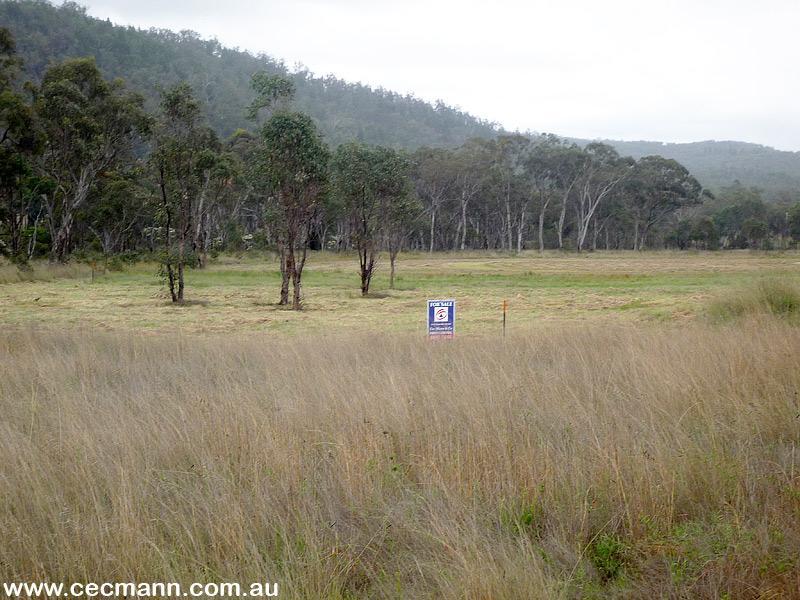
[239, 293]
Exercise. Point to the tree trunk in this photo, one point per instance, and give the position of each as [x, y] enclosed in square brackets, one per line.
[181, 261]
[463, 224]
[541, 222]
[541, 232]
[61, 237]
[520, 229]
[367, 259]
[171, 281]
[297, 288]
[197, 242]
[365, 283]
[294, 271]
[508, 216]
[180, 279]
[168, 242]
[433, 224]
[582, 230]
[324, 236]
[16, 225]
[32, 240]
[364, 275]
[294, 264]
[562, 217]
[60, 248]
[284, 300]
[392, 260]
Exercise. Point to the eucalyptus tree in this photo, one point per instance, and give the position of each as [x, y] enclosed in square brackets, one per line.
[398, 206]
[569, 162]
[542, 167]
[372, 185]
[245, 210]
[401, 216]
[118, 209]
[704, 233]
[657, 188]
[20, 189]
[509, 164]
[90, 125]
[755, 231]
[294, 162]
[184, 151]
[219, 172]
[603, 172]
[612, 220]
[434, 180]
[272, 92]
[355, 182]
[471, 165]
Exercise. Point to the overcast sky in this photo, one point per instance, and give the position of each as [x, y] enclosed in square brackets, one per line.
[669, 70]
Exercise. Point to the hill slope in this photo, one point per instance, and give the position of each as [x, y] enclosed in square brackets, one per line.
[220, 76]
[718, 164]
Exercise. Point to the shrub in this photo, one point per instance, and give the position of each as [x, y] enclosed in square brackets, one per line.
[608, 555]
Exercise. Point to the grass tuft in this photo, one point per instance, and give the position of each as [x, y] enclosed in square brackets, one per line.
[770, 296]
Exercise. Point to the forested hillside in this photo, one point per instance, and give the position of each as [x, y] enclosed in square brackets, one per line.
[718, 164]
[220, 77]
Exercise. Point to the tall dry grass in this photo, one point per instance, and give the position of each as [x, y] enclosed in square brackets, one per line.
[767, 296]
[41, 271]
[577, 462]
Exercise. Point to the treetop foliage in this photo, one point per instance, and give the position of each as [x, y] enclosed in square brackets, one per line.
[294, 152]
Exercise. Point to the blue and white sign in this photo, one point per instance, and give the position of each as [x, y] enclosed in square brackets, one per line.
[442, 317]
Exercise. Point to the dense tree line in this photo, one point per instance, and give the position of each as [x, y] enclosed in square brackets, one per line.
[85, 168]
[515, 192]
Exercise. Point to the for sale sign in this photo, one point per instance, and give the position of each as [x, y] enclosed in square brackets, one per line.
[441, 317]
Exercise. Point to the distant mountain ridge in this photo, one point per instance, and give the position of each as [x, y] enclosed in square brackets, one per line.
[220, 76]
[720, 163]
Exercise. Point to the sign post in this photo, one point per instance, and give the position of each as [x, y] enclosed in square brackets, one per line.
[441, 318]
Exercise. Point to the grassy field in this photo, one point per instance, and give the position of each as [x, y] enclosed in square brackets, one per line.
[239, 295]
[636, 434]
[588, 461]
